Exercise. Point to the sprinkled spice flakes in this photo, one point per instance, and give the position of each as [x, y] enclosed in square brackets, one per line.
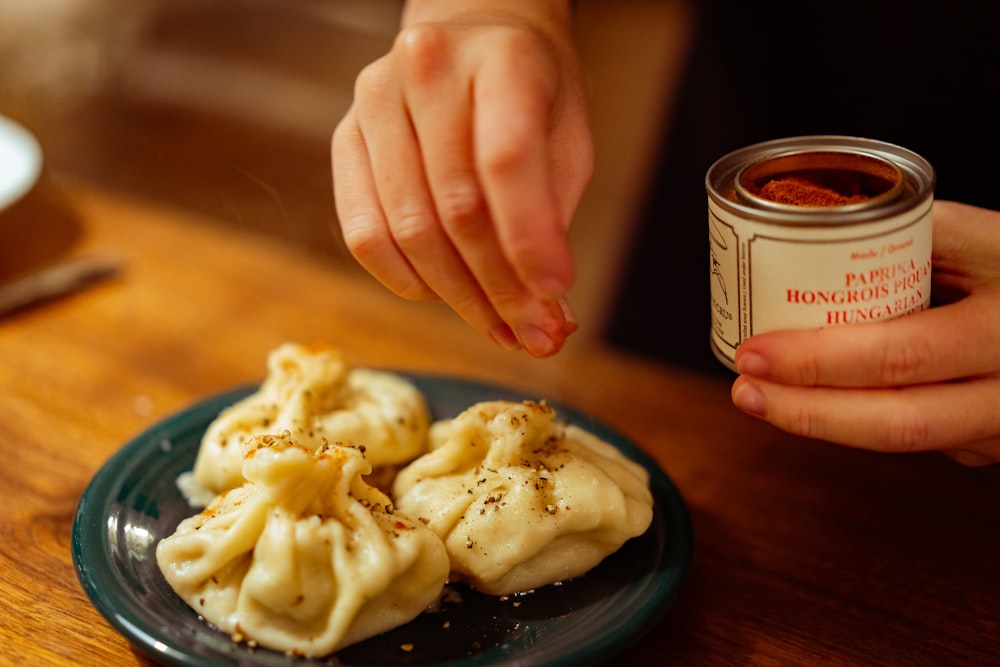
[513, 479]
[506, 481]
[320, 497]
[311, 393]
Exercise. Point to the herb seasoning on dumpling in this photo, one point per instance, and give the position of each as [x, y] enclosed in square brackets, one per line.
[305, 557]
[313, 394]
[523, 499]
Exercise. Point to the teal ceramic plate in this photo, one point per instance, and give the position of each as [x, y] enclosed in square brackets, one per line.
[132, 502]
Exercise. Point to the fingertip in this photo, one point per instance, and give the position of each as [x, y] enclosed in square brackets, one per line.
[752, 363]
[537, 342]
[748, 397]
[571, 322]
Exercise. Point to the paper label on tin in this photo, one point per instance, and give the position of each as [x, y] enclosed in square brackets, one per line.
[725, 276]
[767, 277]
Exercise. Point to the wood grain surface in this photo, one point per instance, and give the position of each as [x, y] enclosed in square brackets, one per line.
[805, 553]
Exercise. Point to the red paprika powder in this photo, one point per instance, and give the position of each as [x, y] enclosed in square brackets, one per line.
[820, 179]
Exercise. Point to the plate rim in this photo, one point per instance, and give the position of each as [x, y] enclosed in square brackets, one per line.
[603, 647]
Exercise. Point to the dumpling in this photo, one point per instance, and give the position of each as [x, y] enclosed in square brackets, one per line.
[521, 498]
[312, 393]
[305, 557]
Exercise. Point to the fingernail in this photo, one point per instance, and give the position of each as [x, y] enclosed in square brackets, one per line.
[571, 323]
[504, 336]
[749, 398]
[535, 341]
[751, 363]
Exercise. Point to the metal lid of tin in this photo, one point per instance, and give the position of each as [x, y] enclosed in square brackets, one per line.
[827, 180]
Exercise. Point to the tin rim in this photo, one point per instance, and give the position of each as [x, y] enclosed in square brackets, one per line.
[886, 181]
[917, 185]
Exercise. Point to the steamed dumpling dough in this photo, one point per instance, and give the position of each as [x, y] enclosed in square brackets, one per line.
[522, 499]
[305, 557]
[311, 393]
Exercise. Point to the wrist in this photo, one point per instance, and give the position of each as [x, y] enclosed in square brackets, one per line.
[541, 14]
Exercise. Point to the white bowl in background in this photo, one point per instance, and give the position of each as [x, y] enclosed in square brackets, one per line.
[20, 161]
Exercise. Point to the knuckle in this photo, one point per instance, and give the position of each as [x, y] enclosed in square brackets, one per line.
[362, 237]
[804, 422]
[412, 228]
[372, 81]
[423, 50]
[459, 206]
[810, 370]
[370, 246]
[907, 430]
[505, 154]
[902, 361]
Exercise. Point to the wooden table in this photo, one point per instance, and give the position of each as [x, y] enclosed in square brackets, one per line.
[805, 553]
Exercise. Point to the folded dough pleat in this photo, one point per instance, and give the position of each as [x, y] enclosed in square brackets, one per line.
[521, 498]
[305, 557]
[311, 393]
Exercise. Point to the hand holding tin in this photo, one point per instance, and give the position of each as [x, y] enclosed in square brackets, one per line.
[928, 381]
[462, 160]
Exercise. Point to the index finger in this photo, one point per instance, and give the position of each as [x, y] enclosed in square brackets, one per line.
[945, 343]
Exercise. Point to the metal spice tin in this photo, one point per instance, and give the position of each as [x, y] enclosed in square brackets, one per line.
[815, 231]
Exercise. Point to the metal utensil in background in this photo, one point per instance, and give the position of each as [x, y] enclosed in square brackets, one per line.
[56, 280]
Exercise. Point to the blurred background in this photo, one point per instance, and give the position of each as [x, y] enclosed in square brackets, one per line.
[227, 107]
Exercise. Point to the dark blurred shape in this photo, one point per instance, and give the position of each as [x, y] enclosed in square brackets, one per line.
[225, 107]
[894, 71]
